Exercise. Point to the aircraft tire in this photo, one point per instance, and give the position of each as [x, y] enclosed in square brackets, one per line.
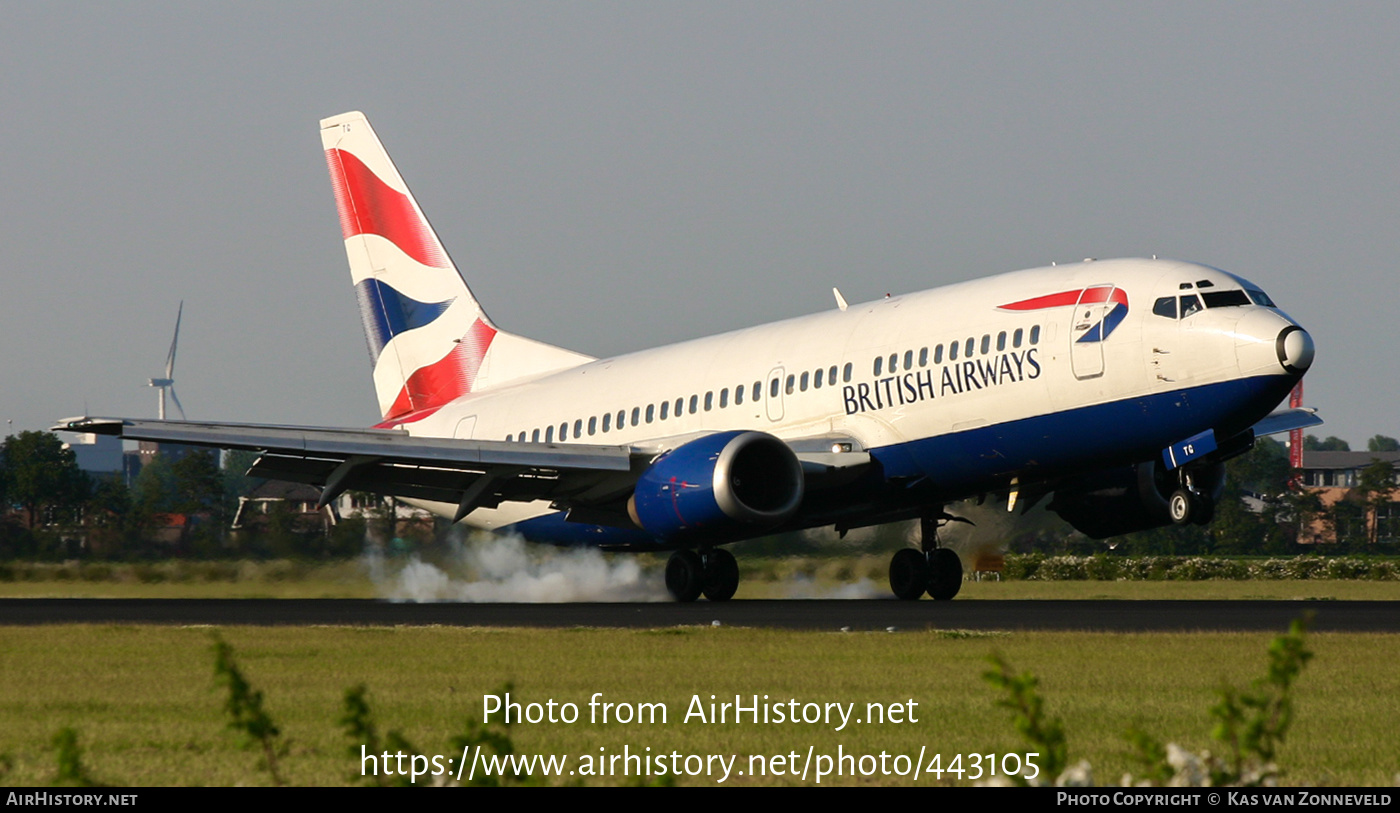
[909, 574]
[685, 575]
[721, 577]
[945, 574]
[1181, 506]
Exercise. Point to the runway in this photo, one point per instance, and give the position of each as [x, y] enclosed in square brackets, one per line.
[891, 615]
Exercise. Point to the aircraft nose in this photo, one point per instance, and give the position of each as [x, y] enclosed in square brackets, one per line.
[1295, 349]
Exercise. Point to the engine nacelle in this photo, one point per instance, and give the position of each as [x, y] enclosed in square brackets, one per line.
[727, 484]
[1132, 498]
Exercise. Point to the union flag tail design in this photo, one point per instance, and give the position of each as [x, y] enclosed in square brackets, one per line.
[430, 342]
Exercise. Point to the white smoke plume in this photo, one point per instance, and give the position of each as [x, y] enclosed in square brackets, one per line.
[509, 569]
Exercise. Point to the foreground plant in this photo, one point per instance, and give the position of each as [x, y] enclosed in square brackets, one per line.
[1250, 724]
[245, 708]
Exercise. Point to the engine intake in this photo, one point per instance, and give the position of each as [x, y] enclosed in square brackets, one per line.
[726, 484]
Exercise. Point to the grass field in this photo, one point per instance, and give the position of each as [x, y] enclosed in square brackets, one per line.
[147, 712]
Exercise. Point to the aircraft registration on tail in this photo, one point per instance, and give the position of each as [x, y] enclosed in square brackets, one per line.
[1114, 388]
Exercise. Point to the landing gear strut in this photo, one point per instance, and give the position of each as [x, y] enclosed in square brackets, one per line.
[933, 569]
[712, 572]
[1189, 504]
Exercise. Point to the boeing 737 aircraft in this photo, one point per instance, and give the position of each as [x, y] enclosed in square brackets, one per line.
[1115, 389]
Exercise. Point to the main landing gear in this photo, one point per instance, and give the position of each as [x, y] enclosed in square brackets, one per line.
[712, 572]
[932, 569]
[1188, 504]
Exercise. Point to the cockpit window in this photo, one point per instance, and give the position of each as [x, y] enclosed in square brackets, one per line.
[1189, 305]
[1225, 299]
[1166, 306]
[1260, 298]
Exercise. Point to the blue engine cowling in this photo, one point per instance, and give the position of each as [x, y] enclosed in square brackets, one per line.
[729, 484]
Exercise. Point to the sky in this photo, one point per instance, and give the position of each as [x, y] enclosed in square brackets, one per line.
[616, 176]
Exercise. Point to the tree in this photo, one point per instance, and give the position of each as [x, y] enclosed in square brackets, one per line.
[1331, 444]
[1383, 443]
[1372, 492]
[41, 475]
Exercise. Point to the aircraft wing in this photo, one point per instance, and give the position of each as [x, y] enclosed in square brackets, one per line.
[1286, 420]
[590, 481]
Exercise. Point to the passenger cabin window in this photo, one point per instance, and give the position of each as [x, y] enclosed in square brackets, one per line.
[953, 351]
[1016, 338]
[967, 349]
[724, 398]
[1001, 341]
[621, 418]
[986, 343]
[879, 365]
[773, 388]
[1166, 306]
[563, 431]
[607, 421]
[817, 380]
[757, 391]
[709, 400]
[846, 373]
[938, 354]
[792, 379]
[923, 357]
[535, 436]
[578, 428]
[651, 411]
[831, 375]
[1035, 334]
[549, 434]
[894, 363]
[694, 404]
[908, 359]
[739, 395]
[665, 405]
[593, 425]
[802, 384]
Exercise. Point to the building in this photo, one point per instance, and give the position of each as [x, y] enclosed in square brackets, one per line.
[1338, 477]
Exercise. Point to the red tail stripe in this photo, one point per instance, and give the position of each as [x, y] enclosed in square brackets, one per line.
[446, 379]
[367, 205]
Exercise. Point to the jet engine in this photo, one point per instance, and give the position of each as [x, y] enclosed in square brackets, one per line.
[1131, 498]
[729, 484]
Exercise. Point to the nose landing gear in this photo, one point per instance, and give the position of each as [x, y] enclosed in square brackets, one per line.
[1189, 504]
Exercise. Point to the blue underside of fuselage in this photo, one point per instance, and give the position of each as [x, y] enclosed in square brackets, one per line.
[960, 464]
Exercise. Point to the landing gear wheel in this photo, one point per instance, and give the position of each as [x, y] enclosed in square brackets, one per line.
[685, 574]
[908, 574]
[945, 574]
[1180, 506]
[721, 575]
[1203, 511]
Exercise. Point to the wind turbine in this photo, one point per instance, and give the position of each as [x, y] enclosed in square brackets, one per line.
[168, 383]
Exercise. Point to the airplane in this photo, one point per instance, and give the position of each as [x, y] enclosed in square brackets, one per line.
[1116, 388]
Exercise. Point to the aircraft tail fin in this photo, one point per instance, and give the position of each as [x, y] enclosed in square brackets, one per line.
[430, 341]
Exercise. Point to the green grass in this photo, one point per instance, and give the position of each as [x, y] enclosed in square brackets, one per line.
[144, 704]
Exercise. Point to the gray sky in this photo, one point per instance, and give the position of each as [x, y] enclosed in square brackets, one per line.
[616, 176]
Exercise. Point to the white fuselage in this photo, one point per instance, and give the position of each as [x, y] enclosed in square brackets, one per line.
[922, 368]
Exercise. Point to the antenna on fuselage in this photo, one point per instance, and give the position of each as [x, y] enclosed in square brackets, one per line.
[840, 300]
